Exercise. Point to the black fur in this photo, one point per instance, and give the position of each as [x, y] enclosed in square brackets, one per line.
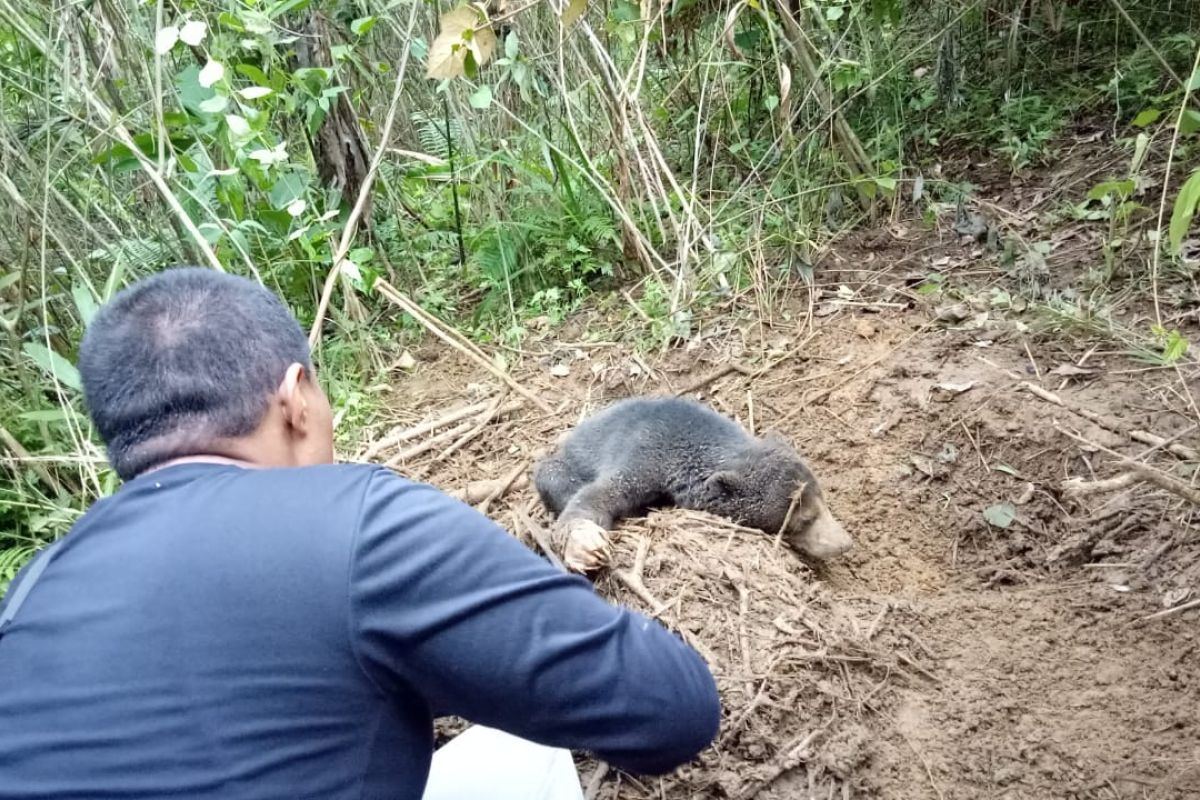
[644, 452]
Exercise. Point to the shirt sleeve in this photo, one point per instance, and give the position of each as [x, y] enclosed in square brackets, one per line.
[447, 603]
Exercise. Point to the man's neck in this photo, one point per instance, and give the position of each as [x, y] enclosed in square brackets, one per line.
[203, 459]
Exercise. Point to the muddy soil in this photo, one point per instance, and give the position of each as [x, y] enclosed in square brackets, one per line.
[988, 636]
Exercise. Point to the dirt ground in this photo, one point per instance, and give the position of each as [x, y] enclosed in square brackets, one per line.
[988, 635]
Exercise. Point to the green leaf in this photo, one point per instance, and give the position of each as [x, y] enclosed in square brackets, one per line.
[362, 26]
[85, 304]
[231, 21]
[1000, 515]
[481, 97]
[1189, 123]
[625, 11]
[289, 188]
[253, 73]
[834, 13]
[1147, 117]
[511, 45]
[770, 102]
[215, 104]
[1185, 209]
[53, 364]
[360, 255]
[573, 11]
[1119, 188]
[1194, 82]
[45, 415]
[282, 7]
[887, 184]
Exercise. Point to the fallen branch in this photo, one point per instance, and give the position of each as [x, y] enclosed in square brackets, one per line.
[450, 433]
[503, 485]
[479, 492]
[1134, 472]
[453, 339]
[1173, 610]
[1144, 437]
[492, 412]
[403, 435]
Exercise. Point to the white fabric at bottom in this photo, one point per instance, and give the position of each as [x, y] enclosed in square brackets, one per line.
[486, 764]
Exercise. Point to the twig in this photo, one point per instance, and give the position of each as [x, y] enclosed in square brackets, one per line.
[476, 492]
[22, 455]
[541, 536]
[1182, 451]
[487, 417]
[503, 485]
[1134, 472]
[792, 757]
[403, 435]
[428, 444]
[1173, 610]
[978, 451]
[716, 375]
[597, 778]
[451, 338]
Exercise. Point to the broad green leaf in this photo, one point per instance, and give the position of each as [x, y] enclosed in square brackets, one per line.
[212, 72]
[1185, 209]
[887, 184]
[193, 33]
[53, 364]
[239, 128]
[254, 92]
[1000, 515]
[481, 98]
[85, 304]
[626, 11]
[573, 11]
[834, 13]
[289, 188]
[1189, 123]
[1194, 82]
[770, 102]
[362, 26]
[1147, 117]
[253, 73]
[1119, 188]
[511, 45]
[361, 255]
[165, 39]
[215, 104]
[281, 7]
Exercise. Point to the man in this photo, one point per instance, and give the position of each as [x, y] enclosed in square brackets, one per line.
[245, 619]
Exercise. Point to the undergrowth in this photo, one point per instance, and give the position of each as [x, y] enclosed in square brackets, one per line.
[683, 154]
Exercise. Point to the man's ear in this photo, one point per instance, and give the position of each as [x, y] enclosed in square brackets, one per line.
[724, 483]
[291, 396]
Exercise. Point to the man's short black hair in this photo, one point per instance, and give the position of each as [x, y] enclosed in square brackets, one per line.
[181, 359]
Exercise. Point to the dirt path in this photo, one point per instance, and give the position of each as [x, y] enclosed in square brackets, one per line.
[947, 657]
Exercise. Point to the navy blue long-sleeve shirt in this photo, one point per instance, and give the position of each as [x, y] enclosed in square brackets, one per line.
[217, 632]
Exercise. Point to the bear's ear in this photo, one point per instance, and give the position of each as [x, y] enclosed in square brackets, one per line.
[724, 483]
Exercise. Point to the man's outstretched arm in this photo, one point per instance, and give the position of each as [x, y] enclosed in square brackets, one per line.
[449, 604]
